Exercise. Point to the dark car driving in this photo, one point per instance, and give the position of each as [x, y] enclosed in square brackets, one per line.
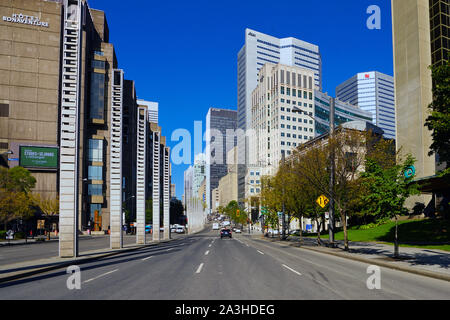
[225, 233]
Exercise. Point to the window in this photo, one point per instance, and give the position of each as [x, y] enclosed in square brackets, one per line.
[282, 91]
[252, 173]
[252, 181]
[282, 117]
[98, 64]
[288, 91]
[288, 127]
[288, 101]
[95, 173]
[4, 110]
[294, 92]
[282, 134]
[252, 190]
[305, 95]
[257, 190]
[282, 100]
[282, 125]
[95, 207]
[310, 96]
[95, 150]
[95, 189]
[282, 143]
[257, 173]
[97, 97]
[282, 108]
[294, 127]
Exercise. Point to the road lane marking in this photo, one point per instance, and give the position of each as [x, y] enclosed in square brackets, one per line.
[260, 252]
[199, 268]
[169, 249]
[206, 253]
[146, 258]
[102, 275]
[210, 246]
[292, 270]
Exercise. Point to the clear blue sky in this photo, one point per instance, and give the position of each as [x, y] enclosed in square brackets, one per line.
[183, 54]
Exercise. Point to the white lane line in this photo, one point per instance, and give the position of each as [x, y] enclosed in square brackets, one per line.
[146, 258]
[260, 252]
[206, 253]
[292, 270]
[199, 268]
[102, 275]
[169, 249]
[210, 246]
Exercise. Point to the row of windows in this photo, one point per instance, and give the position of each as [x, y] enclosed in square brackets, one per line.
[288, 118]
[288, 126]
[274, 51]
[295, 93]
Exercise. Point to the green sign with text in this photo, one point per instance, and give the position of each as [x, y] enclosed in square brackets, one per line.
[39, 157]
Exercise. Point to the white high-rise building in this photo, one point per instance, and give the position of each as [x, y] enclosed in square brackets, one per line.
[373, 92]
[278, 128]
[260, 48]
[152, 108]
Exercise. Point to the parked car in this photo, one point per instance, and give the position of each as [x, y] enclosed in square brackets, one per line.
[148, 228]
[180, 230]
[237, 230]
[225, 233]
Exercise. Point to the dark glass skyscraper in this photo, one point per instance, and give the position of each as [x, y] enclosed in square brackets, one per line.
[221, 126]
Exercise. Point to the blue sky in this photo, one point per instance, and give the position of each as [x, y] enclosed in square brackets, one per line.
[183, 54]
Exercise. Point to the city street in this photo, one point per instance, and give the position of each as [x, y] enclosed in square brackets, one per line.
[204, 267]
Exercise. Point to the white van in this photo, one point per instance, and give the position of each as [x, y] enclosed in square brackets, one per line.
[215, 226]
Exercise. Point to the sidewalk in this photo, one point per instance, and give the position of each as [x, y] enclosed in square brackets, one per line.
[427, 262]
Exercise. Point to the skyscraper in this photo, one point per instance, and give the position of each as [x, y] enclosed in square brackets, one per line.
[221, 137]
[260, 48]
[373, 92]
[152, 109]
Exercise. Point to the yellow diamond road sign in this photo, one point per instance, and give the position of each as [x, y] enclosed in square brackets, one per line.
[322, 201]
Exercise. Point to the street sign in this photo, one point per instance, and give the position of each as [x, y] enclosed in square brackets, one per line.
[322, 201]
[410, 172]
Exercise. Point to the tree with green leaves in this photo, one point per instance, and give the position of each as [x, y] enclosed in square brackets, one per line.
[438, 120]
[387, 188]
[16, 201]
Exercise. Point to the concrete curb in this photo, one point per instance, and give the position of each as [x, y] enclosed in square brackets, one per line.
[426, 273]
[75, 261]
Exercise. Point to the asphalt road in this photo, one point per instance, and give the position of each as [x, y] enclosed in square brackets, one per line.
[204, 267]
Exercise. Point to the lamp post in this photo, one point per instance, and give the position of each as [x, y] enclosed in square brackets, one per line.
[332, 169]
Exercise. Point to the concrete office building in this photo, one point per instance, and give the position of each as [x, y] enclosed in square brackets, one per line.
[220, 138]
[420, 39]
[152, 109]
[343, 112]
[260, 48]
[64, 99]
[413, 85]
[374, 92]
[228, 184]
[278, 129]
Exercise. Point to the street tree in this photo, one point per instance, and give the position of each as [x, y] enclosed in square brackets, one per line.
[438, 120]
[387, 188]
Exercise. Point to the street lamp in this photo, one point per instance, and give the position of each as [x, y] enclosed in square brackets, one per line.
[331, 192]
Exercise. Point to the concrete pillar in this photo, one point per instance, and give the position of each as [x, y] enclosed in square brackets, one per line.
[116, 239]
[69, 129]
[141, 174]
[156, 184]
[166, 203]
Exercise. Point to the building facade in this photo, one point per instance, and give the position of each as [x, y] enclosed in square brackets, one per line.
[277, 127]
[343, 112]
[221, 137]
[374, 92]
[68, 114]
[259, 49]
